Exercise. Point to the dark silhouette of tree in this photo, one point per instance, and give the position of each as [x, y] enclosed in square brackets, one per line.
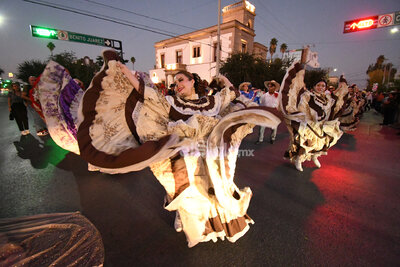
[381, 73]
[283, 49]
[133, 60]
[76, 67]
[272, 47]
[51, 47]
[241, 67]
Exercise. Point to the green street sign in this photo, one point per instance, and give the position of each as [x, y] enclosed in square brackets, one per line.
[397, 18]
[42, 32]
[83, 38]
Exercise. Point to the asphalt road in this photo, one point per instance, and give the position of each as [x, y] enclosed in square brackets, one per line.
[345, 214]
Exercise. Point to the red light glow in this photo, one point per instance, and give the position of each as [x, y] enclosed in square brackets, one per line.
[362, 24]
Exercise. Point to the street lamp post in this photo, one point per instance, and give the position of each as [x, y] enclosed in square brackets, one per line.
[218, 38]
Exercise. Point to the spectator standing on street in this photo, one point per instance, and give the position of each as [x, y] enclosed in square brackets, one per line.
[369, 100]
[17, 108]
[389, 107]
[269, 99]
[40, 125]
[378, 103]
[244, 89]
[171, 90]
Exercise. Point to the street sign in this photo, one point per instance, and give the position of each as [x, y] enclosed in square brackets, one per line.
[385, 20]
[360, 24]
[372, 22]
[397, 18]
[56, 34]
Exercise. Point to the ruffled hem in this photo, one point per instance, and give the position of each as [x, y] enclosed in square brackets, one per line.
[203, 219]
[57, 93]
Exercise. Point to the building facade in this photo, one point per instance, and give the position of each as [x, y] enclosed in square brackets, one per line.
[197, 51]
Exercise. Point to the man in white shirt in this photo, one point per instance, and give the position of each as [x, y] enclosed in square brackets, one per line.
[269, 99]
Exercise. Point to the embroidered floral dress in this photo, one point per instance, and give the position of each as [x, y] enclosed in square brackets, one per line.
[311, 118]
[191, 145]
[350, 117]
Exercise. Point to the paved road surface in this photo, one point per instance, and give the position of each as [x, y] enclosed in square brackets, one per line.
[345, 214]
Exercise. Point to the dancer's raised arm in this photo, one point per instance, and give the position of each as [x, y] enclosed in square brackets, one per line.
[128, 73]
[227, 83]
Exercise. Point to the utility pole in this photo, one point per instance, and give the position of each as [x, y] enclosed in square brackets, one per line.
[218, 38]
[384, 75]
[390, 70]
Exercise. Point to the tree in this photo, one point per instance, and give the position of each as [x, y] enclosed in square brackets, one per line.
[65, 59]
[375, 76]
[51, 47]
[283, 49]
[272, 47]
[241, 67]
[380, 73]
[276, 69]
[76, 67]
[133, 60]
[379, 61]
[1, 71]
[30, 68]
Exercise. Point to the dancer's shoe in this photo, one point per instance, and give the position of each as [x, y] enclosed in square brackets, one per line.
[297, 163]
[316, 161]
[178, 223]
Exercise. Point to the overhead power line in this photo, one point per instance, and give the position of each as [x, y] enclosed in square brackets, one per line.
[106, 16]
[286, 31]
[140, 15]
[146, 16]
[113, 20]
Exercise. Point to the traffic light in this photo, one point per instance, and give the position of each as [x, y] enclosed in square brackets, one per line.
[44, 32]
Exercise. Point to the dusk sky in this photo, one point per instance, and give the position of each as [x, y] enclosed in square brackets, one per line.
[296, 23]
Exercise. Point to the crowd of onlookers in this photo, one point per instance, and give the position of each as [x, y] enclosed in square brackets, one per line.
[386, 103]
[21, 102]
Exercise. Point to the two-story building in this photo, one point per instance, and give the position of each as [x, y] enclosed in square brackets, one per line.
[197, 51]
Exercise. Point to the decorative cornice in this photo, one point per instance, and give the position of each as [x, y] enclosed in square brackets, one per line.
[192, 36]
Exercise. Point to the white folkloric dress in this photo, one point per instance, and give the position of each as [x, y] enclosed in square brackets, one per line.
[311, 118]
[350, 115]
[190, 145]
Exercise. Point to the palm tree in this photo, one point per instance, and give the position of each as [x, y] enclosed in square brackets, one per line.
[272, 46]
[380, 60]
[51, 47]
[133, 60]
[283, 49]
